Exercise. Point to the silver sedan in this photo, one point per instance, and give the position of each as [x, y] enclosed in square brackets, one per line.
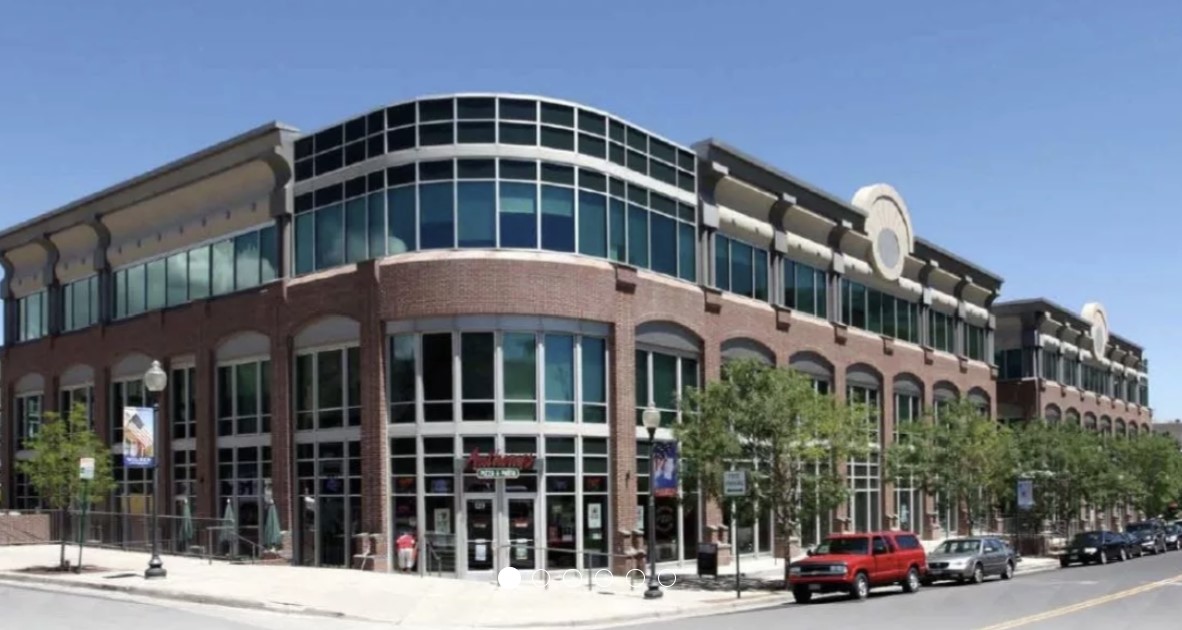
[971, 559]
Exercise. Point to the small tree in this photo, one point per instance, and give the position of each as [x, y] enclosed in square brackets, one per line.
[964, 456]
[775, 419]
[53, 470]
[1153, 465]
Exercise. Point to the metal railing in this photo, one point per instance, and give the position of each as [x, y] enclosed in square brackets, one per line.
[593, 573]
[207, 537]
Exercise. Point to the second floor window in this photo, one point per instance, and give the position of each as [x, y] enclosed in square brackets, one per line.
[1050, 365]
[806, 289]
[33, 316]
[1013, 364]
[942, 333]
[80, 304]
[740, 268]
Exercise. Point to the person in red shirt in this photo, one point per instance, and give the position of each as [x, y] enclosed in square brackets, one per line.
[406, 551]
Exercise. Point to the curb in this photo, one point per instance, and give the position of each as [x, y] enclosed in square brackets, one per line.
[766, 602]
[771, 601]
[229, 602]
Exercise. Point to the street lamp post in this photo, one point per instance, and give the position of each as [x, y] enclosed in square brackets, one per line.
[155, 380]
[652, 419]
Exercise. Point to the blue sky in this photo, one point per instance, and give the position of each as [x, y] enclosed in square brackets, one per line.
[1041, 140]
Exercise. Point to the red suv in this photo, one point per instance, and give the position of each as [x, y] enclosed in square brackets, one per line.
[856, 563]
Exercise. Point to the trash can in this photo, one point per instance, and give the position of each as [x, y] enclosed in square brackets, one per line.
[708, 559]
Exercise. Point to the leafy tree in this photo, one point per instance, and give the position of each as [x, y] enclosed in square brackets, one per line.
[775, 419]
[53, 469]
[962, 455]
[1153, 466]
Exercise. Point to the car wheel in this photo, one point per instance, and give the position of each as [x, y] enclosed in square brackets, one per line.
[1103, 557]
[1008, 572]
[1063, 563]
[861, 587]
[911, 584]
[1124, 555]
[802, 595]
[978, 574]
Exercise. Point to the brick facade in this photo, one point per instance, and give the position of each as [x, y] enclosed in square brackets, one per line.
[444, 284]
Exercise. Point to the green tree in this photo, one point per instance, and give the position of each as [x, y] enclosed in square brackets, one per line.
[1154, 467]
[53, 469]
[964, 456]
[772, 420]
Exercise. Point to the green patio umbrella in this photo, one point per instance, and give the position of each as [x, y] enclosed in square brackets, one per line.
[187, 533]
[272, 537]
[229, 533]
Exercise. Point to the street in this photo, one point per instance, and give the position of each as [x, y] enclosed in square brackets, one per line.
[1141, 592]
[56, 609]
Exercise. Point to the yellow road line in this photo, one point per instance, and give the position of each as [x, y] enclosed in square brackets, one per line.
[1067, 610]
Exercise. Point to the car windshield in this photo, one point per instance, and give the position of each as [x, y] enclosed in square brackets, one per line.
[853, 546]
[1138, 527]
[1089, 538]
[959, 546]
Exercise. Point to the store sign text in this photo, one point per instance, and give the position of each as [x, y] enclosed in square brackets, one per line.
[499, 465]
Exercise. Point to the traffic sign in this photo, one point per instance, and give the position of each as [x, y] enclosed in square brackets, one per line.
[734, 483]
[86, 468]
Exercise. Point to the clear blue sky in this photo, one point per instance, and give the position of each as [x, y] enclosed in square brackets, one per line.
[1042, 140]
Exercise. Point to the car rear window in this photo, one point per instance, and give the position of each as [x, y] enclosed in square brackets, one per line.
[856, 546]
[908, 542]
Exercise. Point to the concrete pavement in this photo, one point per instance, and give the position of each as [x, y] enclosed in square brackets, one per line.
[1139, 593]
[52, 608]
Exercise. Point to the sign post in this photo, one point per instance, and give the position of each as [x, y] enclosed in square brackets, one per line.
[1025, 493]
[86, 474]
[734, 485]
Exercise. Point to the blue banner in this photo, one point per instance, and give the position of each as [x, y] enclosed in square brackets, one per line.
[664, 469]
[139, 437]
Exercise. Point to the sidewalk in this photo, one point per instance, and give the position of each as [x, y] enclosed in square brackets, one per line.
[381, 597]
[413, 600]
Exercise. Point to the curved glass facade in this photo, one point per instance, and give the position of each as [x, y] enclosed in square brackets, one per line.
[489, 119]
[596, 208]
[494, 203]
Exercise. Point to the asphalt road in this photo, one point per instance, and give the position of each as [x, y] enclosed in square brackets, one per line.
[56, 609]
[1142, 593]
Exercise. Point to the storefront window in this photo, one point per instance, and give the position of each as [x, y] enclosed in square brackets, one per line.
[595, 503]
[439, 502]
[566, 372]
[561, 490]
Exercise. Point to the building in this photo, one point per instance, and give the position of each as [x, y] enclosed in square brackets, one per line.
[1068, 367]
[1170, 428]
[445, 316]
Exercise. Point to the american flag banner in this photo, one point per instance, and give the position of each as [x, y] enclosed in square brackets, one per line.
[139, 429]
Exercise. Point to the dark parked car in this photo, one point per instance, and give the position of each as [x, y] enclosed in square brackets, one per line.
[1150, 534]
[1174, 536]
[1098, 546]
[1132, 545]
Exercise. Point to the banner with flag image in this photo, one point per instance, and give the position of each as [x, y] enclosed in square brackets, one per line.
[139, 437]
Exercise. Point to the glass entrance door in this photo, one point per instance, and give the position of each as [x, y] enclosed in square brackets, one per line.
[522, 533]
[481, 531]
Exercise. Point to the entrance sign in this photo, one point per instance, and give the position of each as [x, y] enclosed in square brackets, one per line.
[734, 483]
[664, 469]
[499, 465]
[1025, 494]
[86, 468]
[498, 473]
[139, 437]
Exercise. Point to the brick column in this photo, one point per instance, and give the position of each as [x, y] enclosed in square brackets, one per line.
[712, 510]
[623, 433]
[205, 503]
[7, 448]
[841, 516]
[375, 444]
[889, 506]
[282, 425]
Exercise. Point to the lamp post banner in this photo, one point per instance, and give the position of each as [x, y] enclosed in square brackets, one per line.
[664, 469]
[139, 437]
[1025, 494]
